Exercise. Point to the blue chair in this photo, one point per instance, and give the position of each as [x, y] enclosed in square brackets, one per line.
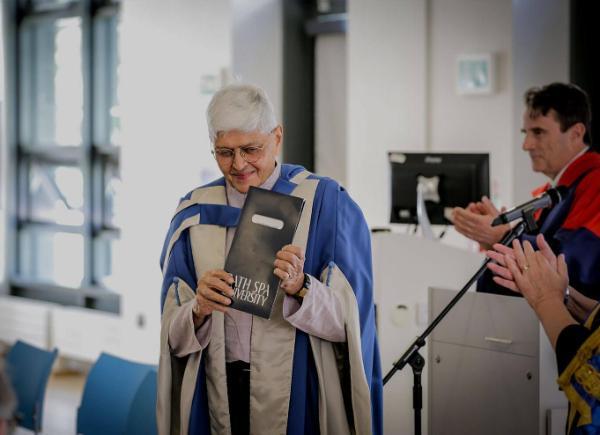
[29, 368]
[142, 417]
[119, 397]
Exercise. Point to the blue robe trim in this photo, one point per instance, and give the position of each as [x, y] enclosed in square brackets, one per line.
[210, 214]
[200, 417]
[592, 428]
[338, 233]
[181, 261]
[582, 253]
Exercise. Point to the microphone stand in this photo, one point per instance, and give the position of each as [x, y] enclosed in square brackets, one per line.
[412, 357]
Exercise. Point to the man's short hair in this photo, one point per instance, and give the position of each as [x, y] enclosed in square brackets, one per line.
[240, 107]
[570, 103]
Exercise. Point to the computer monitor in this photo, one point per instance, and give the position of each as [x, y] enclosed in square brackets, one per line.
[449, 180]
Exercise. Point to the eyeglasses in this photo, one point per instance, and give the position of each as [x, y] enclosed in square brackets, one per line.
[250, 153]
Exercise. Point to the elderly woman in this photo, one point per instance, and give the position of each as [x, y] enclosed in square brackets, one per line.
[313, 367]
[543, 280]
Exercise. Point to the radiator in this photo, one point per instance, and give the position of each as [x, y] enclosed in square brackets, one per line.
[22, 319]
[78, 333]
[82, 334]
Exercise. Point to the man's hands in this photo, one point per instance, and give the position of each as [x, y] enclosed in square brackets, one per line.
[475, 222]
[212, 293]
[289, 267]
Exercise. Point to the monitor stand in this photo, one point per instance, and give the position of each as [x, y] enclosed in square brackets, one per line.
[427, 190]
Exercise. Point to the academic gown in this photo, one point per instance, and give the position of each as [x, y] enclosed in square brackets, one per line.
[338, 236]
[572, 227]
[578, 361]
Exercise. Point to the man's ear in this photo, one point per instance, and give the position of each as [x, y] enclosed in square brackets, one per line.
[278, 132]
[577, 132]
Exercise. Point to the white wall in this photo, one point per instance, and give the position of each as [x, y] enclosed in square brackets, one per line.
[472, 123]
[3, 180]
[401, 96]
[386, 50]
[400, 67]
[331, 111]
[541, 56]
[258, 46]
[173, 53]
[3, 155]
[401, 91]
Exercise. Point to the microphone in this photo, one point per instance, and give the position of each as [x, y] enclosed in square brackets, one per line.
[548, 199]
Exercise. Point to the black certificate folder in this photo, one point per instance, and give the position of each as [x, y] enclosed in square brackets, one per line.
[268, 222]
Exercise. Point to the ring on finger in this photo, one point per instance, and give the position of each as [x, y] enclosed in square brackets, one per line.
[525, 268]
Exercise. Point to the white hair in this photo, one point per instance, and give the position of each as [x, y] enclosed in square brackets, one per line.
[8, 401]
[240, 107]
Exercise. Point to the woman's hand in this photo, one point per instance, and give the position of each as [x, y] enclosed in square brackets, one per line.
[213, 292]
[289, 267]
[538, 275]
[500, 269]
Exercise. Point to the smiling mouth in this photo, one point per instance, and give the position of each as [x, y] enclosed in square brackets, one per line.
[242, 176]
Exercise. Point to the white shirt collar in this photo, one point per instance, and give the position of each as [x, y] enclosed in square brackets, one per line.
[562, 171]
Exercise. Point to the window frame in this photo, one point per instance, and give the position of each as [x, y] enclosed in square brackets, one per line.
[91, 158]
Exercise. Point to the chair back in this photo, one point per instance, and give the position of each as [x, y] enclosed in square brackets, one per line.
[142, 418]
[111, 393]
[29, 368]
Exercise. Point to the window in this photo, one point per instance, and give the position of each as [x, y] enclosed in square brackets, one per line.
[66, 161]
